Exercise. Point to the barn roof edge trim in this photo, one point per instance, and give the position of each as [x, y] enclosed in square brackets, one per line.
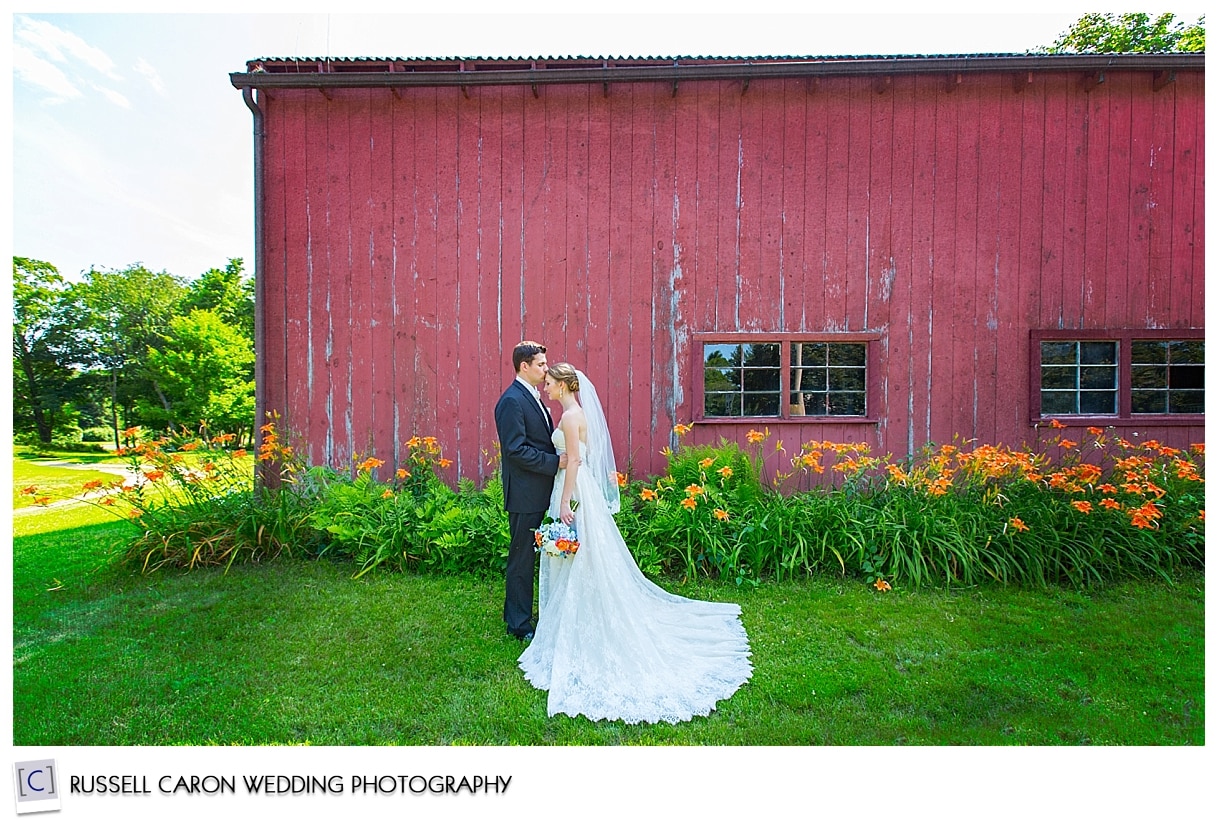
[368, 72]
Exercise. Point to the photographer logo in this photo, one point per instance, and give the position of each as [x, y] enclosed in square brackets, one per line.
[36, 786]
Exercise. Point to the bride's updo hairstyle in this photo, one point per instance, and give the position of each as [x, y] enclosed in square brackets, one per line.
[564, 374]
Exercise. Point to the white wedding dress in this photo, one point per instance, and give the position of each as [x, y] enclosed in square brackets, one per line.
[610, 644]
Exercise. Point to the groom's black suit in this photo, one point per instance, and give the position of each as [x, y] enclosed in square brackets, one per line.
[529, 464]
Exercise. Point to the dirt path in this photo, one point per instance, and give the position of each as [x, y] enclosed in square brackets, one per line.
[129, 475]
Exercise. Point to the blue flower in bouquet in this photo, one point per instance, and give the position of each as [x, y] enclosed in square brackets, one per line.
[556, 538]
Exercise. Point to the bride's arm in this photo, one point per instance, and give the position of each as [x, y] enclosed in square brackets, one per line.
[570, 432]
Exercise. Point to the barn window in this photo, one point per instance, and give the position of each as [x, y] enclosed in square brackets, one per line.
[1078, 378]
[1118, 375]
[742, 379]
[784, 376]
[1168, 376]
[828, 379]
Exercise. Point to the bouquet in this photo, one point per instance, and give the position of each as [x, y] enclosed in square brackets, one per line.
[556, 538]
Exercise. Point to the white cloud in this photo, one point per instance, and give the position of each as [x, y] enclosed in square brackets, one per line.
[37, 72]
[112, 95]
[146, 70]
[58, 45]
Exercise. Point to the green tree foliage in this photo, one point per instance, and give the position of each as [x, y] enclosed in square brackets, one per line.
[205, 374]
[1130, 33]
[42, 359]
[227, 292]
[123, 314]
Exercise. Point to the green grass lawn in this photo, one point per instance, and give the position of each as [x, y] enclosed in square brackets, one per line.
[54, 481]
[299, 653]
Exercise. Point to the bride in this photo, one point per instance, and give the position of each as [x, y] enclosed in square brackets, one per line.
[609, 643]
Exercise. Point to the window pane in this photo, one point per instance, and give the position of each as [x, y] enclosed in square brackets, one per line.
[808, 379]
[1186, 401]
[847, 378]
[1186, 377]
[851, 355]
[758, 379]
[1059, 353]
[1098, 378]
[1148, 376]
[761, 404]
[1097, 352]
[760, 355]
[720, 355]
[847, 404]
[1149, 401]
[1058, 378]
[716, 404]
[814, 404]
[1097, 401]
[1145, 352]
[808, 354]
[1057, 402]
[1188, 352]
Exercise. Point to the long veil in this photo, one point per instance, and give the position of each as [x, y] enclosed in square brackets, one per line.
[600, 447]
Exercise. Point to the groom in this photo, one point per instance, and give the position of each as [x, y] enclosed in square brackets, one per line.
[528, 468]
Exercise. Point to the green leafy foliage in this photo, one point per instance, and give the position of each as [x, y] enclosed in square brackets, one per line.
[945, 516]
[1130, 33]
[1081, 511]
[44, 379]
[127, 347]
[205, 370]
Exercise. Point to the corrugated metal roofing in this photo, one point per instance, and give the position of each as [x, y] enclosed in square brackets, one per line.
[360, 72]
[622, 59]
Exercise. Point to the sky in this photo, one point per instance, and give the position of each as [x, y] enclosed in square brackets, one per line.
[130, 144]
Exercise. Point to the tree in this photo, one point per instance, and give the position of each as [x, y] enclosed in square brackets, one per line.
[227, 292]
[124, 314]
[1128, 33]
[42, 360]
[205, 371]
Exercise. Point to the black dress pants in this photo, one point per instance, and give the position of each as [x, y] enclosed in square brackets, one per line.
[521, 568]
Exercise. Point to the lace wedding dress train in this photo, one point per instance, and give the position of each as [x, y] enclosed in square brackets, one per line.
[610, 644]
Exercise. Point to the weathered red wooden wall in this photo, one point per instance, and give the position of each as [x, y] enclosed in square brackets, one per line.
[411, 238]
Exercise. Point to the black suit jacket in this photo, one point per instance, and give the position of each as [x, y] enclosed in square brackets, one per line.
[529, 461]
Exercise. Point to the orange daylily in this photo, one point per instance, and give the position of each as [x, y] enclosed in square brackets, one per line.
[682, 429]
[648, 495]
[1018, 525]
[721, 514]
[689, 503]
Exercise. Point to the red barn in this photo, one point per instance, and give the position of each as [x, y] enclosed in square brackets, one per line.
[891, 250]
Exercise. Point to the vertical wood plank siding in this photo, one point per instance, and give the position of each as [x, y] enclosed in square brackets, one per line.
[412, 237]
